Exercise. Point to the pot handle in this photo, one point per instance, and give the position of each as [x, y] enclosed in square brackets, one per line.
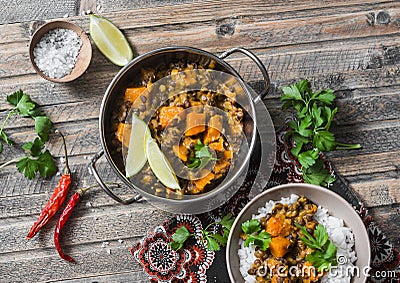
[258, 62]
[93, 171]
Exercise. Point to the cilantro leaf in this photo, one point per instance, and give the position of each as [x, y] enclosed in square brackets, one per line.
[35, 148]
[28, 167]
[324, 140]
[212, 244]
[251, 226]
[214, 240]
[317, 174]
[25, 106]
[261, 240]
[291, 93]
[321, 236]
[227, 221]
[43, 126]
[308, 158]
[303, 128]
[46, 166]
[181, 235]
[324, 255]
[326, 96]
[202, 156]
[15, 97]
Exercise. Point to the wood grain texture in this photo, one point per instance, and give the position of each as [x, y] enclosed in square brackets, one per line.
[20, 11]
[349, 46]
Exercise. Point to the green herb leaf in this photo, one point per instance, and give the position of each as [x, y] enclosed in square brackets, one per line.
[43, 126]
[212, 244]
[6, 138]
[46, 166]
[34, 148]
[15, 97]
[202, 156]
[28, 167]
[326, 96]
[251, 226]
[317, 174]
[308, 158]
[261, 240]
[325, 254]
[314, 116]
[227, 221]
[181, 235]
[321, 236]
[303, 128]
[324, 140]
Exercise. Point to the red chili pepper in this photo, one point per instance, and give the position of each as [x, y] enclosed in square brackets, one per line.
[56, 200]
[63, 219]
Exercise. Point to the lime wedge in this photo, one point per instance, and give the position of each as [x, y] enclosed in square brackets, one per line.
[136, 157]
[110, 40]
[160, 165]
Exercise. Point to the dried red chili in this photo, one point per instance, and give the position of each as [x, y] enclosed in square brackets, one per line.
[56, 200]
[63, 219]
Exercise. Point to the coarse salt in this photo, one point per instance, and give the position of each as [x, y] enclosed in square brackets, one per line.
[57, 51]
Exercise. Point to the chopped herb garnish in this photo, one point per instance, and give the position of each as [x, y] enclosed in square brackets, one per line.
[215, 240]
[255, 234]
[202, 156]
[324, 255]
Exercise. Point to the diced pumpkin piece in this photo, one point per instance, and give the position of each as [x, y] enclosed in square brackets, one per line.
[201, 183]
[279, 246]
[195, 123]
[218, 145]
[214, 129]
[276, 226]
[228, 154]
[180, 151]
[168, 113]
[122, 135]
[220, 166]
[133, 93]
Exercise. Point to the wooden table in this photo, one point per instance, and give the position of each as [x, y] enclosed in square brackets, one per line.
[351, 46]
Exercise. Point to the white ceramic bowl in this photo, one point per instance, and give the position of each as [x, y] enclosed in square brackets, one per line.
[336, 205]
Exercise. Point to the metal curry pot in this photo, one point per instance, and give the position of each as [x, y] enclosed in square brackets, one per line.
[190, 204]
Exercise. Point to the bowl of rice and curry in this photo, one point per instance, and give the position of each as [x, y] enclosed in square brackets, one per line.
[178, 126]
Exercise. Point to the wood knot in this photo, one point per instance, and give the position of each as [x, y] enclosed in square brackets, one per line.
[383, 18]
[225, 29]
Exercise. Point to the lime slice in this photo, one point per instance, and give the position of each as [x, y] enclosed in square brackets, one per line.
[160, 165]
[136, 157]
[110, 40]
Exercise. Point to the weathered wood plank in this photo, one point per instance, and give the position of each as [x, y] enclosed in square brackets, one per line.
[274, 34]
[36, 10]
[46, 265]
[86, 226]
[126, 277]
[353, 70]
[201, 11]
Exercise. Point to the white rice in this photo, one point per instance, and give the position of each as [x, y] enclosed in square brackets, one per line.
[341, 236]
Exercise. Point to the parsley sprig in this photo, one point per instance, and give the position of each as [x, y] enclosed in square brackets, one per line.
[310, 129]
[254, 234]
[324, 255]
[215, 240]
[37, 159]
[202, 156]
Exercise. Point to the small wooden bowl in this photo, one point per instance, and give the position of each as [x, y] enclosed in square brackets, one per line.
[84, 55]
